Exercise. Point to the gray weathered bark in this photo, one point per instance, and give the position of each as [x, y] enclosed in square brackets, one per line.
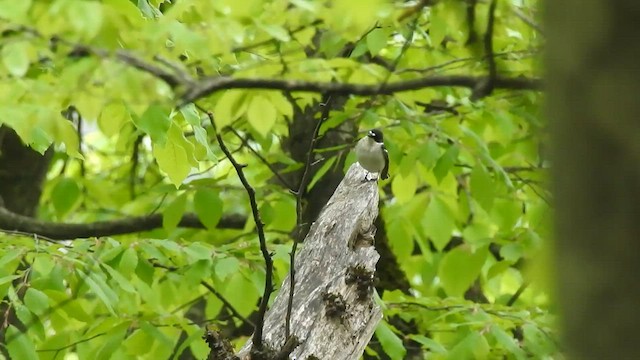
[334, 267]
[594, 81]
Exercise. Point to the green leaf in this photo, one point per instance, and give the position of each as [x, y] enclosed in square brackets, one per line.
[459, 268]
[122, 282]
[85, 17]
[175, 156]
[438, 223]
[482, 187]
[505, 213]
[208, 206]
[99, 287]
[430, 344]
[172, 214]
[229, 107]
[276, 31]
[128, 261]
[15, 57]
[65, 196]
[113, 341]
[445, 163]
[261, 115]
[473, 346]
[19, 345]
[390, 342]
[377, 40]
[241, 293]
[156, 123]
[404, 186]
[36, 301]
[508, 342]
[113, 117]
[14, 11]
[226, 266]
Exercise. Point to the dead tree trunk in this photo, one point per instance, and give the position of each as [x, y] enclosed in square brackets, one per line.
[333, 314]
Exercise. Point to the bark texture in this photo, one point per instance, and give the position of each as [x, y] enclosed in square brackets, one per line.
[594, 82]
[333, 315]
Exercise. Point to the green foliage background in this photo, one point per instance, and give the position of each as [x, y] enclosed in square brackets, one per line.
[474, 173]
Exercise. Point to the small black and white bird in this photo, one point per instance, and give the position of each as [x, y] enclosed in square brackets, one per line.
[372, 155]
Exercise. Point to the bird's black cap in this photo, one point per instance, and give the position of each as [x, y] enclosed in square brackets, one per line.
[376, 134]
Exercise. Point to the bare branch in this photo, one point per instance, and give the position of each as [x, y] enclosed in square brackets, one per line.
[65, 231]
[210, 85]
[486, 87]
[275, 172]
[268, 286]
[302, 188]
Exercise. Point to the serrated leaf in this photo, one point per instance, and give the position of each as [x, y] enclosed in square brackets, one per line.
[390, 342]
[482, 187]
[208, 206]
[113, 117]
[19, 345]
[377, 40]
[261, 115]
[156, 123]
[15, 57]
[172, 214]
[404, 187]
[438, 222]
[65, 195]
[459, 268]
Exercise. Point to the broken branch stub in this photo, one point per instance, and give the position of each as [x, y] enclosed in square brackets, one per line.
[333, 314]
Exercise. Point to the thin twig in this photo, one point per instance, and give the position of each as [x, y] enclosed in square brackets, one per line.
[525, 19]
[517, 294]
[268, 283]
[275, 172]
[326, 103]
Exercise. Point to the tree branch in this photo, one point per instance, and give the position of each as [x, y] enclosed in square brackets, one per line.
[302, 189]
[210, 85]
[268, 286]
[65, 231]
[486, 87]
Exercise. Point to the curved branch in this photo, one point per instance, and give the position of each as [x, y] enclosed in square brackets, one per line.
[65, 231]
[212, 84]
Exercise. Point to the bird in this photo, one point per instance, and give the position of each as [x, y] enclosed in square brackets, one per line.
[372, 155]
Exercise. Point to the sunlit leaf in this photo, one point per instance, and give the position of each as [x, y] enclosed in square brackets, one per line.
[261, 114]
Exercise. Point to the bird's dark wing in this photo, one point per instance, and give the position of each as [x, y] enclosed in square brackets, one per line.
[385, 172]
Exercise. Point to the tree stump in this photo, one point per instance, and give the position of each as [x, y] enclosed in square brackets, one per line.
[333, 314]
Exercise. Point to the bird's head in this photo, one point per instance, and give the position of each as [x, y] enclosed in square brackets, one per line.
[376, 135]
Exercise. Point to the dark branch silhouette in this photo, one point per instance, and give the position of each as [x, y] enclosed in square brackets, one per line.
[68, 231]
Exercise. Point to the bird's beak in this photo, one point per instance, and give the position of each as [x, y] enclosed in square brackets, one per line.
[371, 134]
